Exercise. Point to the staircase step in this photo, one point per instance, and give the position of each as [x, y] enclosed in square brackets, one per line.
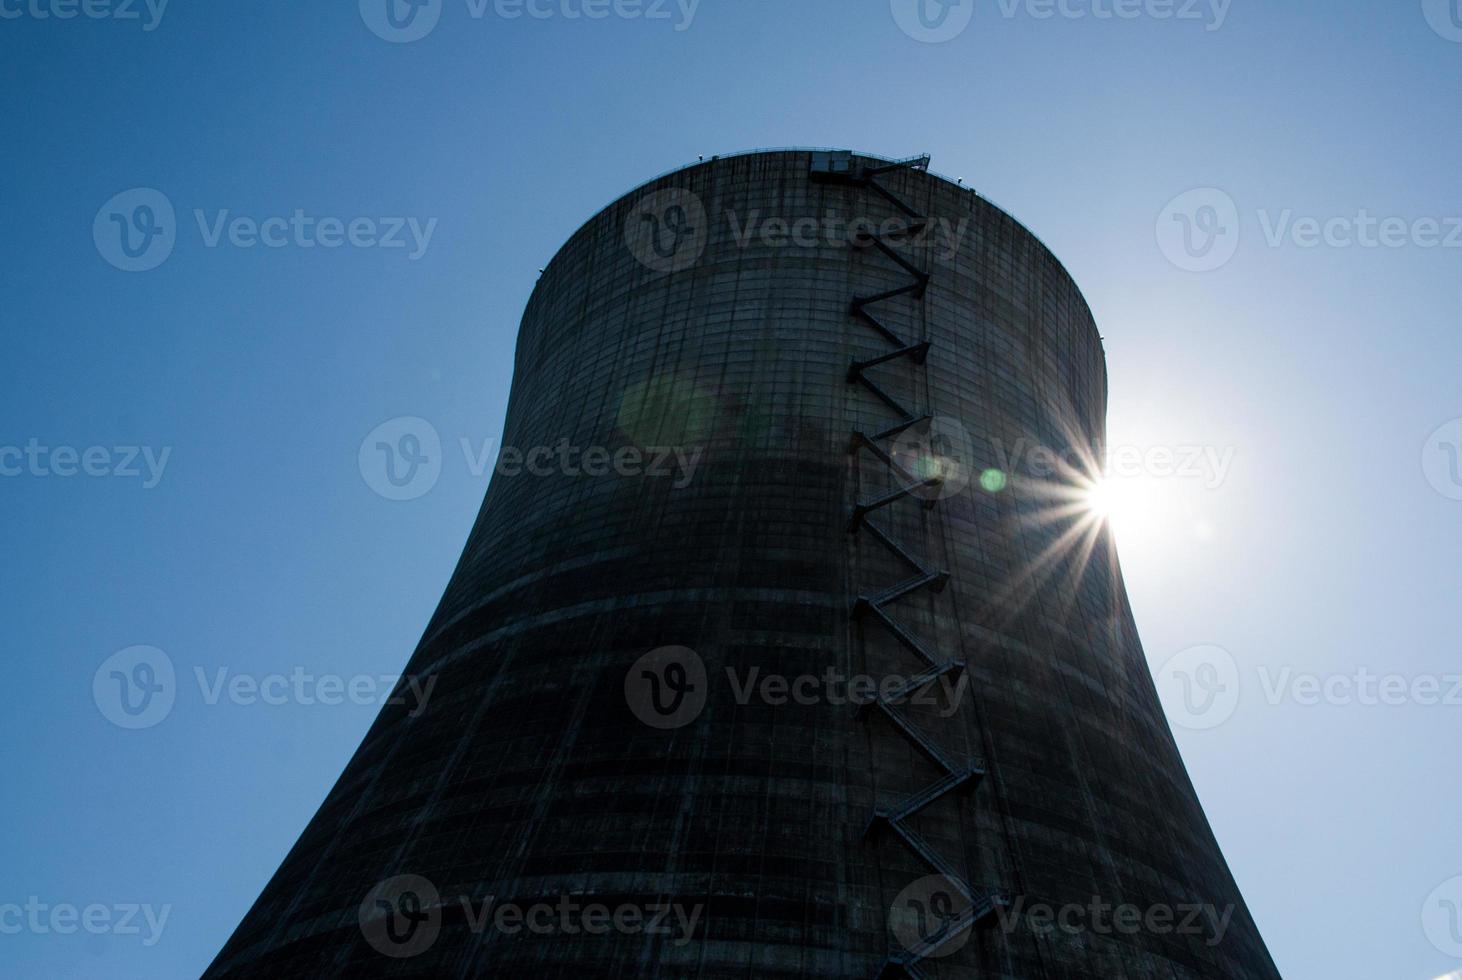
[933, 580]
[934, 791]
[900, 633]
[915, 684]
[921, 742]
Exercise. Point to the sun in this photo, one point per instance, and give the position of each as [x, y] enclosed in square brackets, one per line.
[1091, 503]
[1136, 508]
[1113, 499]
[1101, 498]
[1149, 515]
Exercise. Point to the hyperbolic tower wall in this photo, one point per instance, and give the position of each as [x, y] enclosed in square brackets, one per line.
[846, 396]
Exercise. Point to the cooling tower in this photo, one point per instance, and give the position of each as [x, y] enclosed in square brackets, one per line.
[772, 651]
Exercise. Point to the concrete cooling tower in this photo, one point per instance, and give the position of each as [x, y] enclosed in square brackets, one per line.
[773, 652]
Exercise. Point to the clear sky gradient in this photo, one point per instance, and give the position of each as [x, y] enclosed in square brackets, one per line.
[1328, 547]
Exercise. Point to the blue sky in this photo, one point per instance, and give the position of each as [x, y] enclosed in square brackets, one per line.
[1325, 552]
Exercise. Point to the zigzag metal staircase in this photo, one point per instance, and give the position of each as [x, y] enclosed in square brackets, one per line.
[843, 168]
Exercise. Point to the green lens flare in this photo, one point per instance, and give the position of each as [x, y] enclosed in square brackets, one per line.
[993, 480]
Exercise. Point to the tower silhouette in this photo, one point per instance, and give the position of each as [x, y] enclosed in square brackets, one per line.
[771, 632]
